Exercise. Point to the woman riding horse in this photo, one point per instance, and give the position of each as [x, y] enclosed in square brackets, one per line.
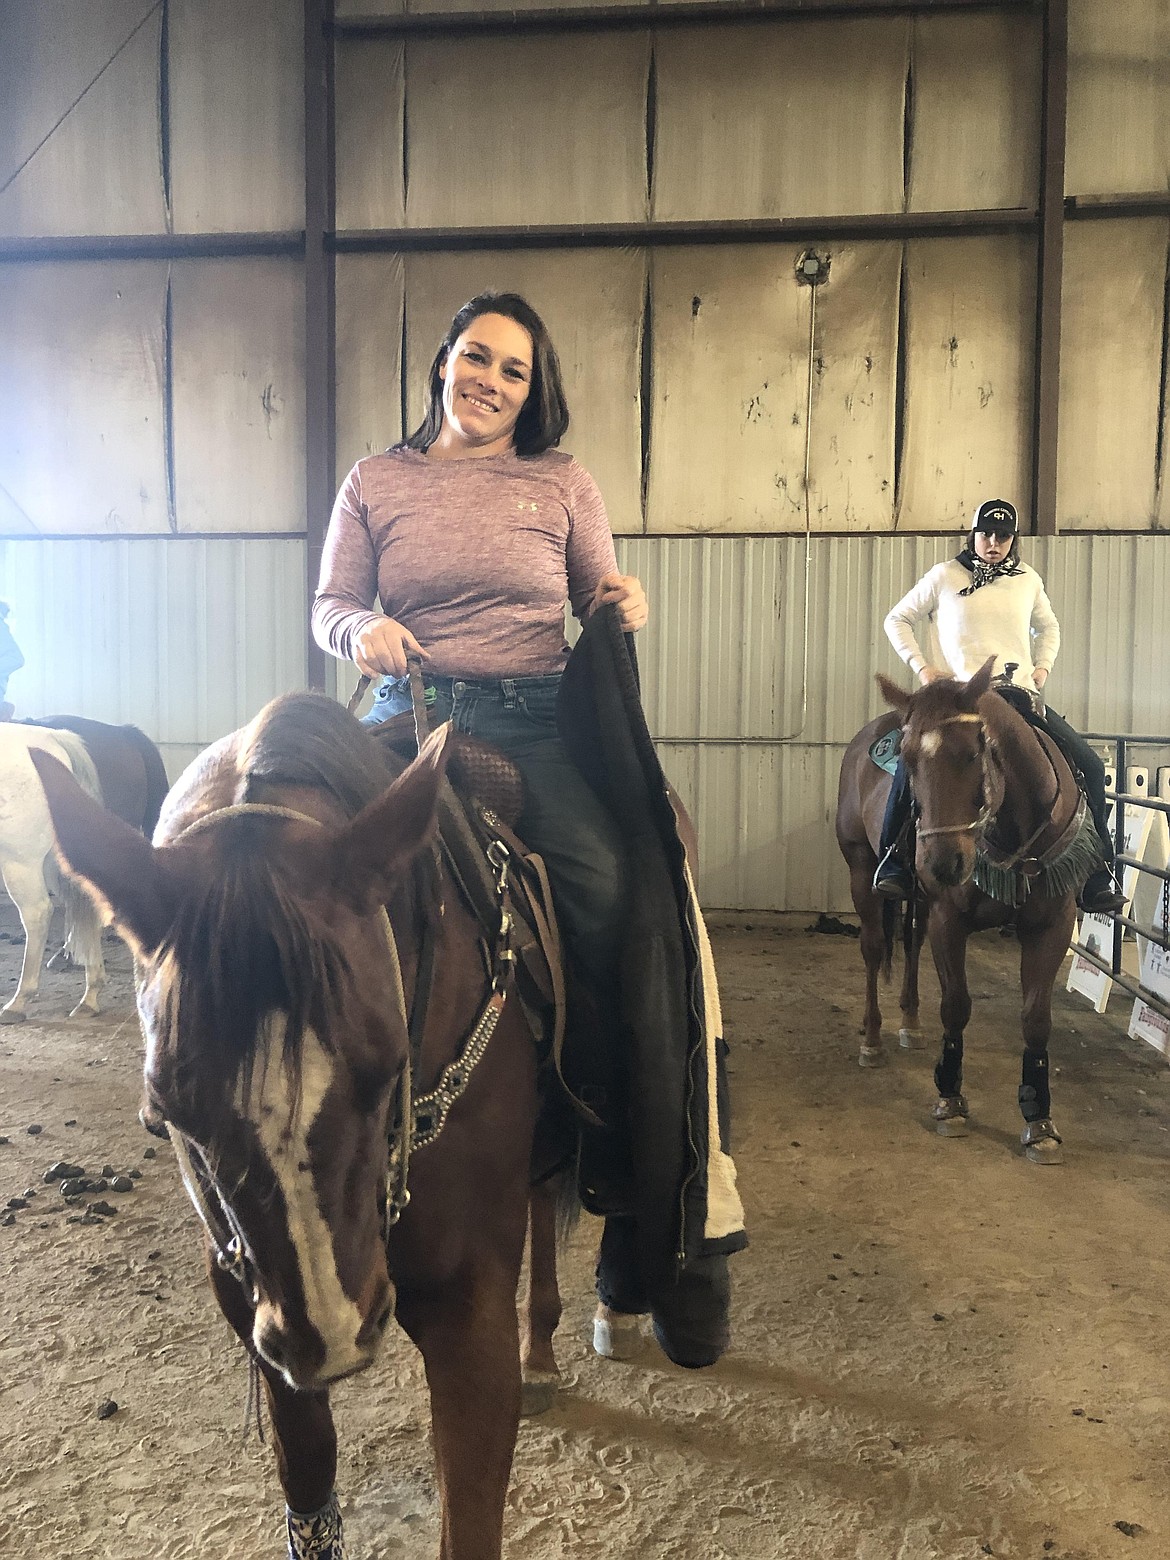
[474, 533]
[988, 602]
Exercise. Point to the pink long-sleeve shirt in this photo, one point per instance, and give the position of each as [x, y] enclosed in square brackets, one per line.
[477, 558]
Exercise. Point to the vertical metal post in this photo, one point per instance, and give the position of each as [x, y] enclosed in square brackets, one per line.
[1119, 843]
[319, 302]
[1049, 265]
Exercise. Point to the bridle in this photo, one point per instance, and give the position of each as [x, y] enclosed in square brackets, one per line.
[416, 1122]
[978, 825]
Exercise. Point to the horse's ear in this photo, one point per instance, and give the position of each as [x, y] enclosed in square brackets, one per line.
[897, 698]
[115, 865]
[370, 853]
[978, 685]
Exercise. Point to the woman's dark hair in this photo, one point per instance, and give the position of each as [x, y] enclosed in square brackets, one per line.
[544, 416]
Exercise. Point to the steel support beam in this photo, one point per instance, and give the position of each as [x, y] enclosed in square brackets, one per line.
[1049, 267]
[615, 18]
[319, 303]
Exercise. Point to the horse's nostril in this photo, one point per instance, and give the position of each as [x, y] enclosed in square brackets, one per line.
[271, 1346]
[384, 1318]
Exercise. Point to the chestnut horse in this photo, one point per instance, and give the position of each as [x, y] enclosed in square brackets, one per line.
[281, 923]
[997, 804]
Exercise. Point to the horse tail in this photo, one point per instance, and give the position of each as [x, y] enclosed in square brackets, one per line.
[157, 783]
[80, 762]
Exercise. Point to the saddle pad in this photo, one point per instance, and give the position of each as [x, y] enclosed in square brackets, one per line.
[885, 750]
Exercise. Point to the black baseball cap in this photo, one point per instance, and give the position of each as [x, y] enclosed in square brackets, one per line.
[996, 515]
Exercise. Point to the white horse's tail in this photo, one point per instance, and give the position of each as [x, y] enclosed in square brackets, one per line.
[83, 931]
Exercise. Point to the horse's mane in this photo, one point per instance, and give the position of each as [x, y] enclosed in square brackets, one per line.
[254, 943]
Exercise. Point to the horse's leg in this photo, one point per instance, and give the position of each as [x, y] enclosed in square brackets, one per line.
[868, 905]
[910, 1034]
[948, 944]
[541, 1309]
[468, 1337]
[304, 1440]
[1042, 949]
[26, 885]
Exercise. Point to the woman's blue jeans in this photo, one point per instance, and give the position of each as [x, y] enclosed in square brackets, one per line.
[563, 820]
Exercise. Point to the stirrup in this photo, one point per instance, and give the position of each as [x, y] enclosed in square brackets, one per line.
[893, 879]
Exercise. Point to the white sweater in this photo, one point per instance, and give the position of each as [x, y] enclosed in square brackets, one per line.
[1011, 619]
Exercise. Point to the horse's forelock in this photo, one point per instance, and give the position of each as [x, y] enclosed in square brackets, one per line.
[247, 947]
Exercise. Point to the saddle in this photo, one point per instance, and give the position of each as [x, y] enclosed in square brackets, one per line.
[480, 805]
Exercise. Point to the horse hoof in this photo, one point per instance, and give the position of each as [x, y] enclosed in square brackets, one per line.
[1046, 1152]
[82, 1011]
[910, 1039]
[952, 1127]
[871, 1056]
[11, 1016]
[538, 1392]
[617, 1338]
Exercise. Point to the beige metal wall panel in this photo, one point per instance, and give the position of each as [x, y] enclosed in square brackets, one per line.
[780, 120]
[969, 329]
[1110, 373]
[560, 136]
[729, 340]
[591, 301]
[369, 86]
[730, 337]
[81, 398]
[1118, 92]
[239, 395]
[370, 302]
[237, 115]
[98, 170]
[976, 112]
[186, 639]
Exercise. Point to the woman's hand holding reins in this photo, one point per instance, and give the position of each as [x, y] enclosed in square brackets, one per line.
[381, 647]
[929, 674]
[626, 593]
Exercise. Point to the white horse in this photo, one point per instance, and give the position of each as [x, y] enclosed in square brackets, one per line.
[29, 868]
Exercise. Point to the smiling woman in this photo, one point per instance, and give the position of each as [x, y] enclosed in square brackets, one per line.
[475, 533]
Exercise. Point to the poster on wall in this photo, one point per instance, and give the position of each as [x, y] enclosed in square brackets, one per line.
[1095, 932]
[1146, 1022]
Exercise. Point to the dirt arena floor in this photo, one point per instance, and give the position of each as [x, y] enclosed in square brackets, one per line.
[941, 1352]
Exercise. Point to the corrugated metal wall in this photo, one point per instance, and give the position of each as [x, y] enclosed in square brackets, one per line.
[185, 638]
[723, 667]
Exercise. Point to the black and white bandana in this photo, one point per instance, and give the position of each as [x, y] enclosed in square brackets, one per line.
[986, 573]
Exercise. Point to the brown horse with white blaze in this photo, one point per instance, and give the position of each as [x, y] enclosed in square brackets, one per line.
[279, 923]
[998, 804]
